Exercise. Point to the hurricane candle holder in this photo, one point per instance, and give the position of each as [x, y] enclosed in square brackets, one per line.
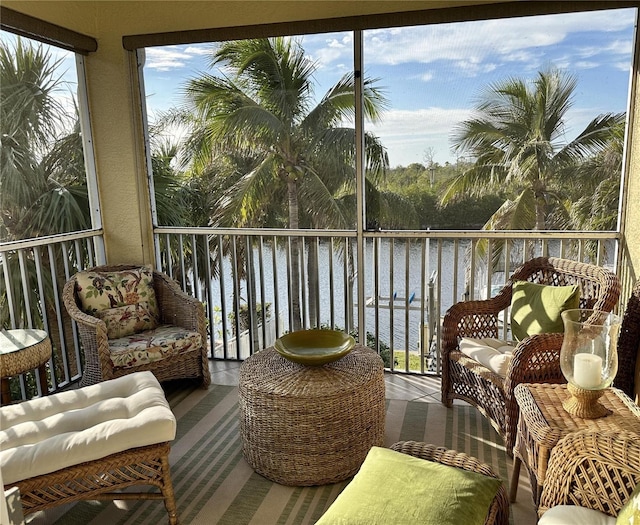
[588, 359]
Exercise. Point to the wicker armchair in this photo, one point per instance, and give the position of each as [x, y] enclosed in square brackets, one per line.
[629, 345]
[536, 359]
[595, 470]
[499, 509]
[176, 308]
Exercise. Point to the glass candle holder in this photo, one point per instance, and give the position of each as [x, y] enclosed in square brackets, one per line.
[589, 359]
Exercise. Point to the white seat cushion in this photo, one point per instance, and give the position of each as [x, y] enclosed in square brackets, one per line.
[495, 354]
[573, 515]
[54, 432]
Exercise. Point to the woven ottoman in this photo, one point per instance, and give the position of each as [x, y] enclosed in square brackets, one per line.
[86, 443]
[311, 425]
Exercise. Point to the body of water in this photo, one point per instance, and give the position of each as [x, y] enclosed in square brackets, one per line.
[400, 274]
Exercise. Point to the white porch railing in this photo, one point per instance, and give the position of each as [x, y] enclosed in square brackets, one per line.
[32, 275]
[407, 280]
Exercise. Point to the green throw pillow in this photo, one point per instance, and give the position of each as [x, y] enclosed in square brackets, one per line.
[630, 513]
[395, 488]
[536, 308]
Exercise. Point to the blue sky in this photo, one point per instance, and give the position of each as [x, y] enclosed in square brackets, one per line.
[432, 75]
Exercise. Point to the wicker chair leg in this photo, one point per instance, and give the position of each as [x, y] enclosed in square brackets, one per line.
[167, 492]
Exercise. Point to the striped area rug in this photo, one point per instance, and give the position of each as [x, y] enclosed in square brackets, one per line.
[214, 485]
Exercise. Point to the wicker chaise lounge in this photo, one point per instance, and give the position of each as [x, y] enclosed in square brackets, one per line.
[499, 510]
[415, 482]
[85, 444]
[536, 359]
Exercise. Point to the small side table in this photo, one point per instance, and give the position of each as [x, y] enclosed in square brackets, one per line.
[543, 422]
[20, 351]
[310, 425]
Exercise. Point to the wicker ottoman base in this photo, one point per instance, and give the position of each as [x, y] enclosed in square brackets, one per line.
[303, 425]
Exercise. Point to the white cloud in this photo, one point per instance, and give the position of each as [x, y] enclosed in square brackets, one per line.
[585, 64]
[425, 120]
[173, 57]
[407, 134]
[426, 77]
[471, 44]
[472, 68]
[622, 65]
[327, 50]
[201, 50]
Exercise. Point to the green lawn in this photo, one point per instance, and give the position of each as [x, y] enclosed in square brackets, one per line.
[414, 361]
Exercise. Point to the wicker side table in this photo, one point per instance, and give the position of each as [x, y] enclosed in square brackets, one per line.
[22, 350]
[310, 425]
[543, 422]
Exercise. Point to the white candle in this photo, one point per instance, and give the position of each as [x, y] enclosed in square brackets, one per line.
[587, 370]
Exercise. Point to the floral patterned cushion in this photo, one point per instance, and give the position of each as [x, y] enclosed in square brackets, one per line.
[152, 345]
[98, 291]
[129, 319]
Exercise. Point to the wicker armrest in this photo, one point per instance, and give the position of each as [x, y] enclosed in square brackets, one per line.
[69, 300]
[536, 359]
[470, 319]
[442, 455]
[177, 307]
[597, 470]
[93, 331]
[499, 510]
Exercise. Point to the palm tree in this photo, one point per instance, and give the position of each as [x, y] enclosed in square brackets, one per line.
[595, 186]
[43, 187]
[42, 179]
[516, 140]
[294, 151]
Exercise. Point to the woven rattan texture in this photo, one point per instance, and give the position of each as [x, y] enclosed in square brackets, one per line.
[15, 363]
[543, 422]
[596, 470]
[536, 359]
[629, 344]
[98, 479]
[310, 425]
[176, 308]
[499, 510]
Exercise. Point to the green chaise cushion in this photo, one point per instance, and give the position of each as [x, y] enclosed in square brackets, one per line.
[395, 488]
[536, 308]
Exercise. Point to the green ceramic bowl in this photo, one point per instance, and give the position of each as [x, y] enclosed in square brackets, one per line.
[314, 347]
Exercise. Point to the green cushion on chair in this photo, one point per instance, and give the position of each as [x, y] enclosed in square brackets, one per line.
[536, 308]
[395, 488]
